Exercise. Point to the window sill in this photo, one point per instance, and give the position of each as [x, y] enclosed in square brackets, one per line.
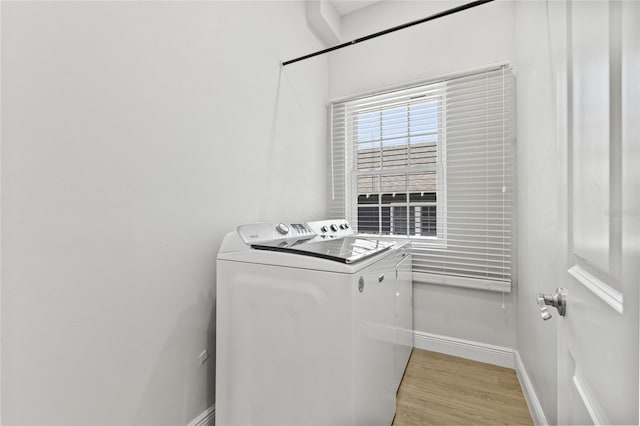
[472, 283]
[422, 241]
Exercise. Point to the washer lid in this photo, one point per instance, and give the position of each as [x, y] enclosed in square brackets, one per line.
[346, 250]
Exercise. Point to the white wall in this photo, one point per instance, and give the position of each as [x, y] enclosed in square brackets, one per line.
[470, 39]
[134, 136]
[538, 182]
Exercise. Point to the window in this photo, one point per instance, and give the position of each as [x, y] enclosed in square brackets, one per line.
[432, 162]
[397, 163]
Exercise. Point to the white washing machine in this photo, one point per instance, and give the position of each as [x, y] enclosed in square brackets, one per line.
[314, 325]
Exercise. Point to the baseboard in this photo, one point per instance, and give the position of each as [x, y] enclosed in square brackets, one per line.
[476, 351]
[206, 418]
[529, 393]
[490, 354]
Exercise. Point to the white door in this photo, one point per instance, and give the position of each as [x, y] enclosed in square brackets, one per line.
[598, 87]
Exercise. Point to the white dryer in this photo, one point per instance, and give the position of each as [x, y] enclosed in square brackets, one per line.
[313, 326]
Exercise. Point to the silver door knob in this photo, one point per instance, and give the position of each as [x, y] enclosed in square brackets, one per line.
[558, 300]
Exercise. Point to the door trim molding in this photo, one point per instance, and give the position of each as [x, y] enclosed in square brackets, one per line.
[604, 291]
[206, 418]
[468, 349]
[535, 408]
[589, 400]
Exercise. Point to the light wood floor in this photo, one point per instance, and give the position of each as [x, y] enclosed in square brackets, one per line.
[440, 389]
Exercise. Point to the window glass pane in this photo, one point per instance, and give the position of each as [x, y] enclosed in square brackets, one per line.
[368, 158]
[368, 128]
[398, 136]
[423, 129]
[368, 219]
[422, 138]
[394, 123]
[371, 199]
[368, 211]
[399, 220]
[428, 221]
[395, 153]
[367, 185]
[368, 140]
[423, 153]
[393, 183]
[423, 182]
[413, 212]
[423, 117]
[386, 220]
[394, 198]
[422, 197]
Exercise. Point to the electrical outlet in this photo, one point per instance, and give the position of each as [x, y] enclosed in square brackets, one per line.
[203, 357]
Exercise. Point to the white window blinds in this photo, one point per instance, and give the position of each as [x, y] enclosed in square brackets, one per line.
[432, 162]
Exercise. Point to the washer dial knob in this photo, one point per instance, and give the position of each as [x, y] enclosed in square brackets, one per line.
[334, 227]
[282, 228]
[324, 229]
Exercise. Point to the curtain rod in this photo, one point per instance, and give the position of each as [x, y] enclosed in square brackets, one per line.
[390, 30]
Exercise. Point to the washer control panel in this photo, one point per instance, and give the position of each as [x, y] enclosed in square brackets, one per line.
[259, 233]
[334, 228]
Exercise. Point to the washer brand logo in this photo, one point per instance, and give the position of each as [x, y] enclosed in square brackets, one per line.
[254, 236]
